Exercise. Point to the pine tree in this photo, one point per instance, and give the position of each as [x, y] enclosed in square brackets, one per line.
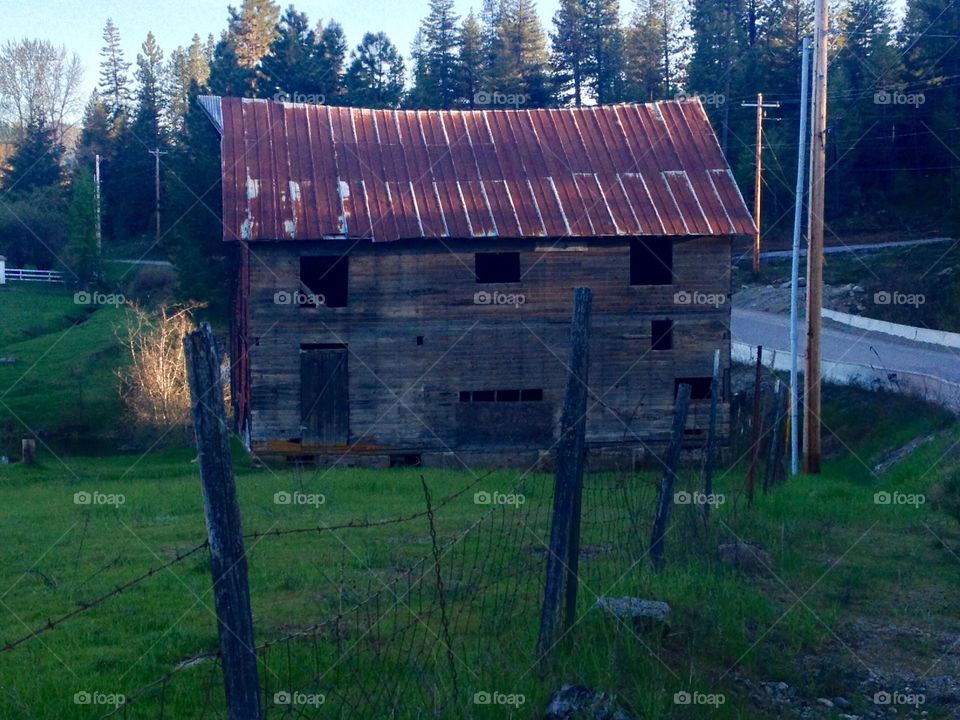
[81, 255]
[470, 62]
[95, 130]
[291, 66]
[865, 64]
[252, 30]
[604, 39]
[236, 68]
[114, 82]
[719, 61]
[491, 21]
[439, 41]
[520, 68]
[419, 94]
[932, 58]
[36, 161]
[186, 66]
[332, 61]
[375, 76]
[148, 118]
[193, 236]
[652, 45]
[570, 51]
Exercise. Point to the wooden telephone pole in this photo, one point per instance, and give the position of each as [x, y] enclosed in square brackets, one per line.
[156, 154]
[757, 185]
[818, 158]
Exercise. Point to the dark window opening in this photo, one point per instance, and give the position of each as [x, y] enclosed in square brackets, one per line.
[419, 339]
[661, 335]
[530, 395]
[699, 387]
[651, 261]
[325, 276]
[406, 460]
[501, 267]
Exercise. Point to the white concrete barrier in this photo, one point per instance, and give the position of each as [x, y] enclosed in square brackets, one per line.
[927, 387]
[924, 335]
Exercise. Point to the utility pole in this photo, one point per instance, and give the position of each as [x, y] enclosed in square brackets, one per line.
[795, 264]
[96, 180]
[818, 159]
[759, 105]
[156, 154]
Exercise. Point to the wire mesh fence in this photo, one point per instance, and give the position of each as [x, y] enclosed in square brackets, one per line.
[456, 631]
[444, 622]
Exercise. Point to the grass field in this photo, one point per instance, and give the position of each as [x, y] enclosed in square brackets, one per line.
[861, 562]
[841, 563]
[63, 382]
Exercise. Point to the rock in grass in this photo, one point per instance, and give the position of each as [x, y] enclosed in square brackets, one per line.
[646, 613]
[578, 702]
[842, 704]
[745, 556]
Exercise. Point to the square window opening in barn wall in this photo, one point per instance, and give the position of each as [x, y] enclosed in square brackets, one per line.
[326, 275]
[699, 387]
[661, 335]
[497, 267]
[651, 261]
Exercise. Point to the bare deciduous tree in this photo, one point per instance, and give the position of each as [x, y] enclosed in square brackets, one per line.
[38, 80]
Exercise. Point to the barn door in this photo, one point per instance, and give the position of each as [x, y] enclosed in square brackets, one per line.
[323, 395]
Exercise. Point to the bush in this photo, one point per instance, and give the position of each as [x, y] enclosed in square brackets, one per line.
[153, 284]
[945, 495]
[33, 228]
[154, 386]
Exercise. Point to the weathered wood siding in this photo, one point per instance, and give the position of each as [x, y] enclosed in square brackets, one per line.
[407, 396]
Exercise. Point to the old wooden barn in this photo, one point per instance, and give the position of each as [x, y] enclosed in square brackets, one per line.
[406, 277]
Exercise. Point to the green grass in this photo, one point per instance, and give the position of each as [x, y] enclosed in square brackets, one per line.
[64, 381]
[851, 560]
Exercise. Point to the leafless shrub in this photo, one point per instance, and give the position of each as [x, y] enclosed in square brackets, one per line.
[154, 383]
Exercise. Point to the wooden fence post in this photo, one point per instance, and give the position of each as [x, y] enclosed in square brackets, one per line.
[222, 510]
[669, 481]
[563, 555]
[780, 434]
[28, 451]
[755, 428]
[711, 449]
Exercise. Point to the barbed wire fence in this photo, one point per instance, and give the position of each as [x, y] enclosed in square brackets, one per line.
[444, 635]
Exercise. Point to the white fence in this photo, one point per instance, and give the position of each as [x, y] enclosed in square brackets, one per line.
[8, 274]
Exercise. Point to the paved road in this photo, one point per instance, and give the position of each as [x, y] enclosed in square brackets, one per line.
[854, 247]
[883, 353]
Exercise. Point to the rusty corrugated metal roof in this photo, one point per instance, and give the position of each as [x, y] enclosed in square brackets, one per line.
[309, 172]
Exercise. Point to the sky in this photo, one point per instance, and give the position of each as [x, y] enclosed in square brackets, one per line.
[78, 24]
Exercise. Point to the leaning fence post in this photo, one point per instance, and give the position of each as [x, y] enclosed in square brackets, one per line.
[776, 437]
[669, 481]
[711, 448]
[563, 555]
[222, 510]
